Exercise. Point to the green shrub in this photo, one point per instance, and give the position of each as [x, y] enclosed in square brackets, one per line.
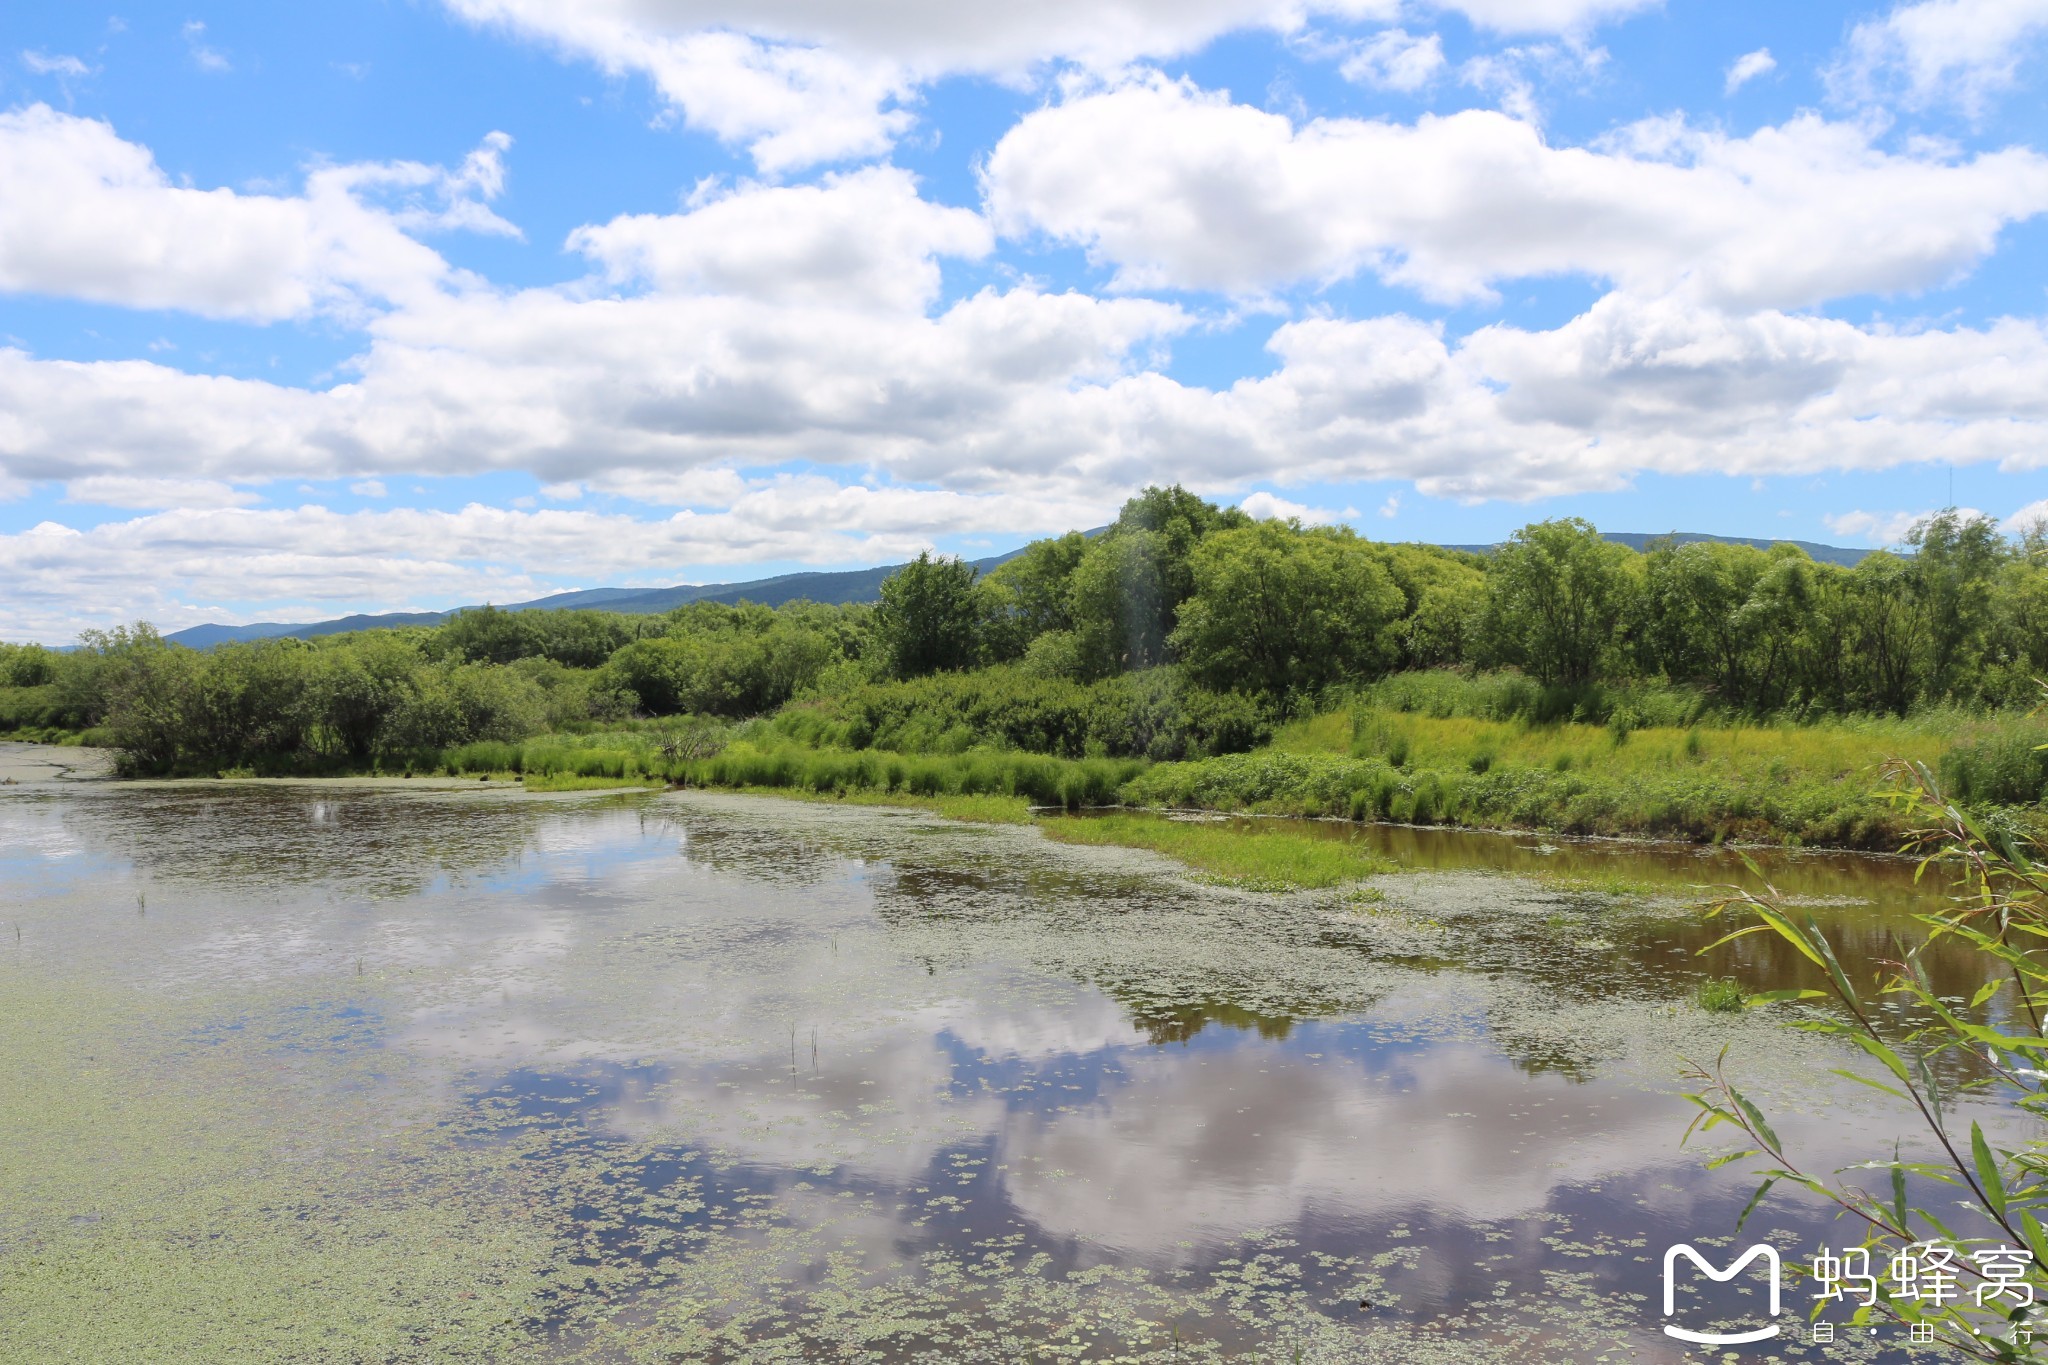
[1152, 714]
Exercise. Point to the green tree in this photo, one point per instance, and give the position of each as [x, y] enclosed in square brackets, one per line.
[486, 635]
[27, 666]
[1120, 603]
[1557, 595]
[252, 703]
[2019, 604]
[361, 681]
[1888, 631]
[1280, 610]
[1700, 627]
[454, 703]
[1181, 521]
[932, 617]
[1033, 590]
[143, 688]
[1126, 592]
[1956, 560]
[1444, 598]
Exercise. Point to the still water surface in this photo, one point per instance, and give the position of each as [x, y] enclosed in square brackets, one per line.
[355, 1072]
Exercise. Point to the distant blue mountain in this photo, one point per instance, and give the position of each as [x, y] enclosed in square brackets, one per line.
[856, 585]
[1639, 540]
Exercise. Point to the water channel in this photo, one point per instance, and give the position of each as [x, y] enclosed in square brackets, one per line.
[396, 1071]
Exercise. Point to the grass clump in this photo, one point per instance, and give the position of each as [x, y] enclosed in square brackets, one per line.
[1236, 854]
[1041, 780]
[1605, 884]
[1722, 996]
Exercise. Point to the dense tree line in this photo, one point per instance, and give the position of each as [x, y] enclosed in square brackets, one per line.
[1285, 612]
[1182, 628]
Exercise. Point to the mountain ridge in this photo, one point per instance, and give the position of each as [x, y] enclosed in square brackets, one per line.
[831, 588]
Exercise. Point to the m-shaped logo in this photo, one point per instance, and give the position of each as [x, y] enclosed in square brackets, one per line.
[1770, 1257]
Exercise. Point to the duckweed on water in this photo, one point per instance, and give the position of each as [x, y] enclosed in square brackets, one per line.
[984, 808]
[1239, 854]
[703, 1078]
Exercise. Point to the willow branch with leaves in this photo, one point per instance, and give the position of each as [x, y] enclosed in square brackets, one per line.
[1992, 1047]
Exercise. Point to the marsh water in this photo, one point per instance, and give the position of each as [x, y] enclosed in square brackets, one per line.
[391, 1071]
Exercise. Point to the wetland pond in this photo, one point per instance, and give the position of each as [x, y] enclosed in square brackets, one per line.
[401, 1071]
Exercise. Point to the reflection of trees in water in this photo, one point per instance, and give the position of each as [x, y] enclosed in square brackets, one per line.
[387, 843]
[1182, 1025]
[1177, 961]
[1675, 868]
[778, 857]
[1591, 948]
[1540, 1054]
[930, 892]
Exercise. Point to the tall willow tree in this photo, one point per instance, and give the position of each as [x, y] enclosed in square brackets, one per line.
[1280, 610]
[1558, 595]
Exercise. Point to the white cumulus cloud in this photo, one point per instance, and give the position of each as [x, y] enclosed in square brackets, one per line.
[1545, 16]
[799, 82]
[1264, 506]
[866, 237]
[1181, 188]
[87, 215]
[118, 490]
[1886, 529]
[168, 565]
[779, 364]
[1933, 52]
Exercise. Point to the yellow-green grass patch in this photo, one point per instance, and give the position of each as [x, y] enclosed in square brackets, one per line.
[1829, 751]
[1230, 853]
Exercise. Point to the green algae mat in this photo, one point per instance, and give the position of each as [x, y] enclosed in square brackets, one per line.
[350, 1072]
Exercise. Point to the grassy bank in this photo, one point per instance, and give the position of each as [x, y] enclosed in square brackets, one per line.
[1422, 749]
[1812, 785]
[630, 757]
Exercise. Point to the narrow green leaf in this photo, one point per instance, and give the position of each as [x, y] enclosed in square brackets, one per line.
[2037, 1241]
[1756, 1118]
[1874, 1085]
[1827, 952]
[1754, 1200]
[1885, 1055]
[1987, 1170]
[1730, 938]
[1790, 933]
[1718, 1162]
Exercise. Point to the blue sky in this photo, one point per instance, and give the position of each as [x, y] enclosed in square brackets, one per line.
[407, 303]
